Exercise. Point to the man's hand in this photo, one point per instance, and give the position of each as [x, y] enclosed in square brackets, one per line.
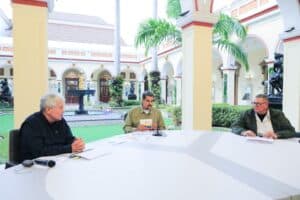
[248, 133]
[146, 128]
[77, 145]
[141, 127]
[270, 134]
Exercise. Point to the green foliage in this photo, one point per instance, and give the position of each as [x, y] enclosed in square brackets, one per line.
[116, 91]
[227, 26]
[223, 115]
[177, 115]
[173, 9]
[153, 32]
[155, 85]
[223, 32]
[131, 103]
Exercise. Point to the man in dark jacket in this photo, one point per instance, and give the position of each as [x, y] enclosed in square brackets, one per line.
[263, 121]
[46, 132]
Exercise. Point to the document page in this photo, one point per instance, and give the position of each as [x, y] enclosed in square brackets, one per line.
[260, 139]
[92, 153]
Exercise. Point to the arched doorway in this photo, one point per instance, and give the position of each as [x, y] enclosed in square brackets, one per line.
[251, 83]
[168, 83]
[71, 82]
[104, 79]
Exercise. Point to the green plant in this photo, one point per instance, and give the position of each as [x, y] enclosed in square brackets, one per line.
[154, 32]
[116, 91]
[155, 85]
[131, 102]
[223, 115]
[177, 115]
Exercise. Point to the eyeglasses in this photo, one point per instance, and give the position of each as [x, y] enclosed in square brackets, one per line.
[258, 103]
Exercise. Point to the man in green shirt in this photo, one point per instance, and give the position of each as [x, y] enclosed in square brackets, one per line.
[144, 117]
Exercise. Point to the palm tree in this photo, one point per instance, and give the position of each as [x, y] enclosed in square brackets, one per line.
[154, 32]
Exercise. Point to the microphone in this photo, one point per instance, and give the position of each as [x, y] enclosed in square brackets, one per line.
[47, 163]
[157, 133]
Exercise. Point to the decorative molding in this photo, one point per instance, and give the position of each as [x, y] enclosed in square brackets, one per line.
[258, 14]
[197, 23]
[39, 3]
[292, 39]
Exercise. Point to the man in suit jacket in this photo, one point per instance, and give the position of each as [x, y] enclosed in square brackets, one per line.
[263, 121]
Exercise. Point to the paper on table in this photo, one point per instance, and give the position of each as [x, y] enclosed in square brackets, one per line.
[260, 139]
[93, 153]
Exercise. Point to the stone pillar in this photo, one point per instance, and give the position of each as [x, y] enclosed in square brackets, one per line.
[30, 39]
[291, 76]
[291, 80]
[142, 86]
[178, 90]
[197, 64]
[230, 73]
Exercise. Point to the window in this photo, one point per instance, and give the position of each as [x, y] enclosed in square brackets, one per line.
[132, 75]
[123, 75]
[1, 71]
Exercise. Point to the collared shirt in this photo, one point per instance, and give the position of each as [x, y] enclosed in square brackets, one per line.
[264, 125]
[138, 116]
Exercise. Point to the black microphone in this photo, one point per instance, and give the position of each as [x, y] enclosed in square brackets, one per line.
[47, 163]
[157, 132]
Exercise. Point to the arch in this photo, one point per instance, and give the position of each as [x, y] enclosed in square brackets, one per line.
[179, 68]
[167, 70]
[70, 81]
[52, 83]
[168, 84]
[217, 76]
[254, 42]
[104, 78]
[250, 83]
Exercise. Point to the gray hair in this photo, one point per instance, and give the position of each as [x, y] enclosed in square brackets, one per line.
[262, 96]
[50, 100]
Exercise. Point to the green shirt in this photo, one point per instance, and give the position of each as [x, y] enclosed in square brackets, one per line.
[136, 114]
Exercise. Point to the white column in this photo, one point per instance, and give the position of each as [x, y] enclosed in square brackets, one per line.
[291, 76]
[230, 85]
[142, 89]
[197, 66]
[154, 49]
[178, 90]
[117, 49]
[291, 81]
[163, 90]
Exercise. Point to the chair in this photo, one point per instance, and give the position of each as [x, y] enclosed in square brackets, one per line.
[297, 135]
[14, 148]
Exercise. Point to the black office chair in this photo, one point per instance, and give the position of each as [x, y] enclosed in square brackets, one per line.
[14, 148]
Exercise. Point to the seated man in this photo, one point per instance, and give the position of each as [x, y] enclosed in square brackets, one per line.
[46, 132]
[144, 117]
[263, 121]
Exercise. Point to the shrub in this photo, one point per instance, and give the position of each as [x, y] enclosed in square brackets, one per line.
[131, 102]
[223, 115]
[116, 91]
[177, 115]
